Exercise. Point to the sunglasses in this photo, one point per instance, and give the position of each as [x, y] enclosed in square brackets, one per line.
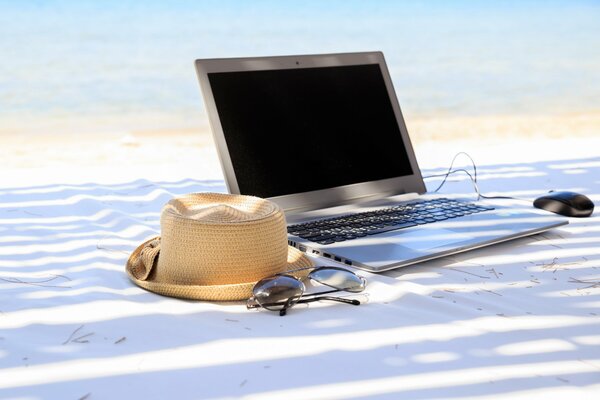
[282, 291]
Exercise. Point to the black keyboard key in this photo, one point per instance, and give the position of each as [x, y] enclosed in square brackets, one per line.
[390, 228]
[315, 237]
[436, 210]
[329, 241]
[303, 233]
[323, 237]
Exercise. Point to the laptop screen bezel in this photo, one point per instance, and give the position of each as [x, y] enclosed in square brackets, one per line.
[319, 198]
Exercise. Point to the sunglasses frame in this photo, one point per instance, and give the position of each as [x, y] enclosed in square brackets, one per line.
[310, 297]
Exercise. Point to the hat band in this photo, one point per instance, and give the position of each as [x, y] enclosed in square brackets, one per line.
[144, 264]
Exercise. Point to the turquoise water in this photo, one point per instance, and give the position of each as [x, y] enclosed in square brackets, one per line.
[126, 65]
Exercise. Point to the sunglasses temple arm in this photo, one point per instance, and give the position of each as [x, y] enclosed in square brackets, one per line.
[320, 293]
[283, 311]
[354, 302]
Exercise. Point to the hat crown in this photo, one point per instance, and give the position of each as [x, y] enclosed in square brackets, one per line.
[217, 208]
[215, 239]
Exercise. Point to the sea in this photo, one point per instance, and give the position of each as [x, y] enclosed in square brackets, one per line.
[123, 65]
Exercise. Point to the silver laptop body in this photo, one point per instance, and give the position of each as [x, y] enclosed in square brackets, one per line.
[323, 136]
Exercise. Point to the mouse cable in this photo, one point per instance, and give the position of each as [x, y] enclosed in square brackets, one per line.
[473, 177]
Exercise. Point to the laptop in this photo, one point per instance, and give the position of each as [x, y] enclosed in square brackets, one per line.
[323, 136]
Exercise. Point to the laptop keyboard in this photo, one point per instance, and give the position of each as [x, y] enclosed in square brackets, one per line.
[352, 226]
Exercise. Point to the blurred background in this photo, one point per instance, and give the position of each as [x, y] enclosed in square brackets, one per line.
[124, 69]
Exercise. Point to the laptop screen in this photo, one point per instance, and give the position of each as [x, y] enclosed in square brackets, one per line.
[298, 130]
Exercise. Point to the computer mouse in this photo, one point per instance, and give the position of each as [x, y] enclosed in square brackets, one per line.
[569, 204]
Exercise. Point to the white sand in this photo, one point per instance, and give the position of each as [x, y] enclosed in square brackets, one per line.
[515, 320]
[182, 154]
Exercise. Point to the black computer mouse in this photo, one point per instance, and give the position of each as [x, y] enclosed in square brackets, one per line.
[569, 204]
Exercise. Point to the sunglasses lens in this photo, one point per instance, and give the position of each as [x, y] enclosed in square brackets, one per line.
[277, 292]
[338, 278]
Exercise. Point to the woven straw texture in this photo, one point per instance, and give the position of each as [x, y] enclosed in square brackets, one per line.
[214, 246]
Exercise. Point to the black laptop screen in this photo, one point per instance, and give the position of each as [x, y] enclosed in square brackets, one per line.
[298, 130]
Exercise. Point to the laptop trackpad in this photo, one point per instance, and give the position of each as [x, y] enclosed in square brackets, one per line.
[425, 239]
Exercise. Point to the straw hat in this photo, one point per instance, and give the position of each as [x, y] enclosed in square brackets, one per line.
[214, 247]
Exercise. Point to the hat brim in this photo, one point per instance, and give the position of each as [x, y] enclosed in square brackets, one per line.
[231, 292]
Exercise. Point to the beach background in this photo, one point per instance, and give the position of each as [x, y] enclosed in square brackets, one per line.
[106, 91]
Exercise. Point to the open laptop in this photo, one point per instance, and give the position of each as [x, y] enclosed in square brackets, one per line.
[323, 136]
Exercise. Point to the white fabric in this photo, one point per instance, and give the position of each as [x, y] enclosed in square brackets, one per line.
[514, 320]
